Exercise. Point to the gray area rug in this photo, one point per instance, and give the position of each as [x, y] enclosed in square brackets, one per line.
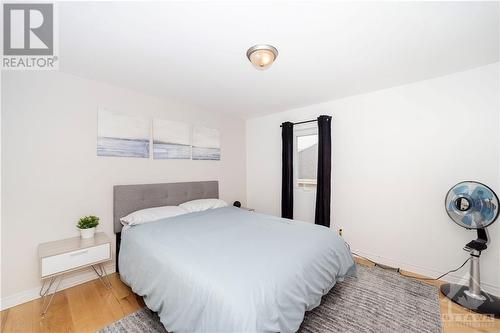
[376, 301]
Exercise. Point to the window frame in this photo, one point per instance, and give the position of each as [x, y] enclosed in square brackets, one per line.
[302, 184]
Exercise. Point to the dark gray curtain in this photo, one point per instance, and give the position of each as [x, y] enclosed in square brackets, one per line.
[287, 170]
[323, 188]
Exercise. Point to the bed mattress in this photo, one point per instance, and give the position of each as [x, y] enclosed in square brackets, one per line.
[230, 270]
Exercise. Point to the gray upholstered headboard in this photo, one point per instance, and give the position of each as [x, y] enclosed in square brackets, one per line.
[129, 198]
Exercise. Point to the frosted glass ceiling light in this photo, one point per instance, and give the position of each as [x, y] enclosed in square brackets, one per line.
[262, 56]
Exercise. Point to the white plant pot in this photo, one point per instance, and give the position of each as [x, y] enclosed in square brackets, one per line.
[87, 233]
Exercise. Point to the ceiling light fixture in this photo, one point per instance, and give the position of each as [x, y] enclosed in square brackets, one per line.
[262, 56]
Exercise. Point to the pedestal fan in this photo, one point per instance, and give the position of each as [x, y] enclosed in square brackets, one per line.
[473, 205]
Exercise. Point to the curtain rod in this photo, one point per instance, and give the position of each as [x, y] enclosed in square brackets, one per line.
[303, 122]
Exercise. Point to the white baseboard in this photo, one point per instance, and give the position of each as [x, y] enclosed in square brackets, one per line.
[429, 272]
[69, 281]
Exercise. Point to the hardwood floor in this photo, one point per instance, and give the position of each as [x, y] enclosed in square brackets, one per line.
[84, 308]
[89, 307]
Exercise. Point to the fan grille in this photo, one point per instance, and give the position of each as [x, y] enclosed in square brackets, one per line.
[472, 205]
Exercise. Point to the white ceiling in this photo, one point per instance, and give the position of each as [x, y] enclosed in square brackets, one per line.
[194, 53]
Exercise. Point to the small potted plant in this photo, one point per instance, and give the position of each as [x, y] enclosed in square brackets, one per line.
[87, 226]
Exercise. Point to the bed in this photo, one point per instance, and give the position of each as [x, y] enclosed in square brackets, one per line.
[224, 269]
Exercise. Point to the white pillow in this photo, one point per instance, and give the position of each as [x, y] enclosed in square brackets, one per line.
[202, 204]
[151, 214]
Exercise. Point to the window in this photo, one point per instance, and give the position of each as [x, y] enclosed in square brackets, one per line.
[307, 159]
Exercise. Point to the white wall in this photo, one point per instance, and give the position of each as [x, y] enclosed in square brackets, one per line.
[51, 175]
[396, 152]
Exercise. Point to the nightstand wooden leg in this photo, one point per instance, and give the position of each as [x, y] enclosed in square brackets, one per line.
[44, 291]
[102, 275]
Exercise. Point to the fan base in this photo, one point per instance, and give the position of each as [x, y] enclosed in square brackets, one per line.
[457, 293]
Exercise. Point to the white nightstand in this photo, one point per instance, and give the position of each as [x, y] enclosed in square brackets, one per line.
[60, 257]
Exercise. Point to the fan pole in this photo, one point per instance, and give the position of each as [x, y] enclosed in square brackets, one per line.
[474, 290]
[475, 247]
[472, 297]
